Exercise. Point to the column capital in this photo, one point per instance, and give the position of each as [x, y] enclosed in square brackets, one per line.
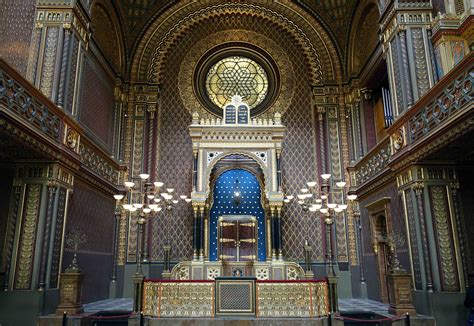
[418, 187]
[367, 93]
[454, 186]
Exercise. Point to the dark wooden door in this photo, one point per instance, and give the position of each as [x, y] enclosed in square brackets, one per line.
[237, 239]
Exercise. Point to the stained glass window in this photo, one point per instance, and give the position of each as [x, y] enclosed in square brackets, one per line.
[236, 75]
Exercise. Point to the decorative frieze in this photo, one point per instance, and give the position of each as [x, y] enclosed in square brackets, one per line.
[98, 164]
[374, 163]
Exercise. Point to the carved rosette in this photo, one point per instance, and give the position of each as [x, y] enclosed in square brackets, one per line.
[71, 139]
[398, 140]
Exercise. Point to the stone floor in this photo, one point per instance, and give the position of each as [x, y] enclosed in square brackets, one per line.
[109, 304]
[346, 307]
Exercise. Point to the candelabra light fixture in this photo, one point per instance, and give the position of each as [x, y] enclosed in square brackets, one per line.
[329, 200]
[145, 198]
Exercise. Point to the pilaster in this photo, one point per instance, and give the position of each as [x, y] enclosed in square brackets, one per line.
[405, 28]
[334, 155]
[35, 227]
[60, 39]
[433, 234]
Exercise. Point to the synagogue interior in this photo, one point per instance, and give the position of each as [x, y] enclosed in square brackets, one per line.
[181, 162]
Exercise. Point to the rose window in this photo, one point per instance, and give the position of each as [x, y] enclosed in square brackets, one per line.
[236, 75]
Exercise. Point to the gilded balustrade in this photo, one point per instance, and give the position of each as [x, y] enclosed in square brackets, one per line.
[288, 299]
[178, 299]
[297, 299]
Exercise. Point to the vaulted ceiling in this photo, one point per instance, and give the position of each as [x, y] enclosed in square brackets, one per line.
[134, 18]
[335, 15]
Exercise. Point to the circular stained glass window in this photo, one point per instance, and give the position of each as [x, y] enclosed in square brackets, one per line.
[236, 75]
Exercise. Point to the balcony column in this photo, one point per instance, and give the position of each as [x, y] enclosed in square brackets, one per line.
[59, 42]
[461, 230]
[419, 190]
[52, 187]
[278, 233]
[195, 232]
[273, 232]
[202, 212]
[406, 46]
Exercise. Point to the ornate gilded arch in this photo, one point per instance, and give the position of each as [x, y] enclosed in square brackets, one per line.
[108, 33]
[364, 25]
[265, 174]
[151, 52]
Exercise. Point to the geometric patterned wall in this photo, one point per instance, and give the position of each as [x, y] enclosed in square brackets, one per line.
[16, 25]
[97, 102]
[92, 212]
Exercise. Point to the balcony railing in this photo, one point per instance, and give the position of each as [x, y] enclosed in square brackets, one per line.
[26, 106]
[447, 106]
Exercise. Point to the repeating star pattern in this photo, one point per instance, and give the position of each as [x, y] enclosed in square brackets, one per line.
[224, 205]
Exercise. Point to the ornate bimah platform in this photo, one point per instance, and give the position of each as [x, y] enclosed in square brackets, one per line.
[273, 299]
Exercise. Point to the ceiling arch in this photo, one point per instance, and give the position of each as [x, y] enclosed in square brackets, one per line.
[323, 61]
[107, 32]
[366, 27]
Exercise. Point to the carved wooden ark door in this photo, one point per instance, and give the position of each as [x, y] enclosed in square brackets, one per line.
[237, 238]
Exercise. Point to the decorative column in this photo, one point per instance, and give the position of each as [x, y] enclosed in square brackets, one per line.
[117, 216]
[11, 229]
[418, 188]
[278, 233]
[58, 44]
[322, 138]
[150, 96]
[278, 163]
[201, 231]
[308, 253]
[436, 255]
[269, 233]
[196, 225]
[406, 48]
[359, 241]
[350, 129]
[273, 232]
[461, 230]
[195, 166]
[52, 187]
